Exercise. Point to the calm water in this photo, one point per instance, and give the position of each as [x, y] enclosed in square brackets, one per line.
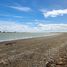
[15, 36]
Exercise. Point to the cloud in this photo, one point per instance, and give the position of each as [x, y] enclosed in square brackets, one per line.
[11, 26]
[53, 27]
[17, 6]
[54, 13]
[20, 8]
[13, 16]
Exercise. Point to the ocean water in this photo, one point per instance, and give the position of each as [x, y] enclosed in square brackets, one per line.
[15, 36]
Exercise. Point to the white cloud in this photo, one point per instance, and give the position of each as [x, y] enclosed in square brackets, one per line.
[10, 26]
[20, 8]
[13, 26]
[54, 13]
[53, 27]
[13, 16]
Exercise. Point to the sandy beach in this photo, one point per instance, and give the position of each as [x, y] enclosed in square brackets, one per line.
[49, 51]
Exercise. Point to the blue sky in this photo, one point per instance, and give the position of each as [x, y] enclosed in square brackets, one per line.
[33, 15]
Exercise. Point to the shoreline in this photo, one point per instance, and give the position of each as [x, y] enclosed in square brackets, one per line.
[34, 51]
[31, 37]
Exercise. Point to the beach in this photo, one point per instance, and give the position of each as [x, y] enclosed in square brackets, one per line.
[47, 51]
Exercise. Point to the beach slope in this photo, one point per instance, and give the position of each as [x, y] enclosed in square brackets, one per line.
[48, 51]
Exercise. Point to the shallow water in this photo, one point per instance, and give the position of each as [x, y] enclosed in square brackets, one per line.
[15, 36]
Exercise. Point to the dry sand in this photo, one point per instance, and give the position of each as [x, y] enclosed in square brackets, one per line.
[49, 51]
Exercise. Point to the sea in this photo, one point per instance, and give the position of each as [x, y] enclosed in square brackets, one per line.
[7, 36]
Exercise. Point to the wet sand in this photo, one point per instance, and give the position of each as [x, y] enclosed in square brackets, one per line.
[49, 51]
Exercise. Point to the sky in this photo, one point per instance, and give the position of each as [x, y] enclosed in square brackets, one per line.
[33, 15]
